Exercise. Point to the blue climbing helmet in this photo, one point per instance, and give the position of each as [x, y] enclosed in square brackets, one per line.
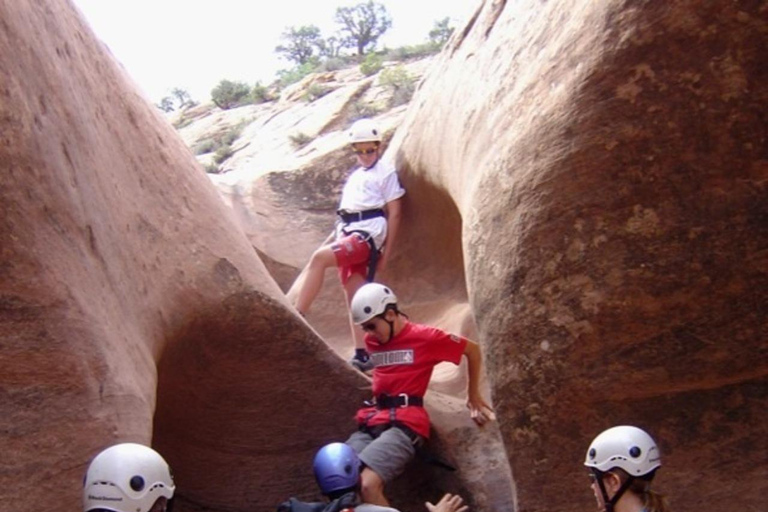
[336, 468]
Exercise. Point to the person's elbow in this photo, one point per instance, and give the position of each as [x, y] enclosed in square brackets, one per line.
[471, 349]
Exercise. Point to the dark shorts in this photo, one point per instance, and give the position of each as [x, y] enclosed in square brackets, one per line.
[387, 455]
[352, 255]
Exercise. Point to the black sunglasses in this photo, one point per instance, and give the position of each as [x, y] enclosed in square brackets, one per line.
[365, 151]
[369, 326]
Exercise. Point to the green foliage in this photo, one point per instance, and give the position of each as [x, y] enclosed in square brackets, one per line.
[400, 83]
[301, 43]
[336, 63]
[316, 91]
[228, 94]
[362, 25]
[205, 146]
[372, 64]
[223, 153]
[419, 51]
[220, 141]
[300, 140]
[260, 94]
[287, 77]
[361, 109]
[331, 47]
[212, 169]
[441, 32]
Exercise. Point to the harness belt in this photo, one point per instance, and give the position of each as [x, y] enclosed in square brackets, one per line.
[377, 430]
[349, 217]
[402, 400]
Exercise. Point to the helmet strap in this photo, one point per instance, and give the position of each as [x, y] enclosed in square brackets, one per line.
[391, 329]
[609, 503]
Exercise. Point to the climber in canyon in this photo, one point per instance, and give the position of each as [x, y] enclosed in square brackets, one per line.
[622, 462]
[128, 477]
[368, 217]
[395, 424]
[337, 471]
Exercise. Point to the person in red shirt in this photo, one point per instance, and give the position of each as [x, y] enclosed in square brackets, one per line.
[404, 354]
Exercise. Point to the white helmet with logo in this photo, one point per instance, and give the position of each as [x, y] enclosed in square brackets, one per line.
[625, 447]
[371, 300]
[127, 477]
[364, 130]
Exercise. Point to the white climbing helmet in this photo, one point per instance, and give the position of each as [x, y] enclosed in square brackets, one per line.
[364, 130]
[625, 447]
[371, 300]
[127, 477]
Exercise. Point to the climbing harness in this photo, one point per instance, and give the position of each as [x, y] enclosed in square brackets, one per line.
[393, 402]
[347, 218]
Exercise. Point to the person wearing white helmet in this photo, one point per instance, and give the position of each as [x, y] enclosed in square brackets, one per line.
[128, 477]
[395, 423]
[622, 462]
[368, 217]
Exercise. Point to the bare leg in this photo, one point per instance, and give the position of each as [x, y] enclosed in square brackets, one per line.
[313, 277]
[372, 488]
[356, 281]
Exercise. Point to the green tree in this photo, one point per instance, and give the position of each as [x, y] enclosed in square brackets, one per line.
[300, 43]
[182, 96]
[330, 47]
[166, 104]
[363, 25]
[441, 32]
[228, 94]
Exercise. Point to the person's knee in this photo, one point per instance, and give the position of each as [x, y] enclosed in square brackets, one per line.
[371, 486]
[322, 258]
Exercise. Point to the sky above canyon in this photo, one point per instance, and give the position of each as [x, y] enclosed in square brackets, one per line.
[193, 45]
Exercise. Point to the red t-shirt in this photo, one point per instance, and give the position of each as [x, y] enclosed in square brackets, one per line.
[404, 365]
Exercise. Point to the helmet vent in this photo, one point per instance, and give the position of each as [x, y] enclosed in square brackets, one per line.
[348, 469]
[592, 453]
[635, 452]
[367, 309]
[137, 483]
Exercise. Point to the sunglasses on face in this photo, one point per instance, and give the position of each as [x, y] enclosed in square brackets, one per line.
[365, 151]
[370, 326]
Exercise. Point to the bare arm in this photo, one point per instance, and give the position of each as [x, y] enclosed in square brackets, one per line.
[393, 209]
[479, 409]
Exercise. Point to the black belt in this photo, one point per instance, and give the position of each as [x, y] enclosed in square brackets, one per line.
[377, 430]
[349, 217]
[401, 400]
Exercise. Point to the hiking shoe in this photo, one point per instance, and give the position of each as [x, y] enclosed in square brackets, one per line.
[363, 366]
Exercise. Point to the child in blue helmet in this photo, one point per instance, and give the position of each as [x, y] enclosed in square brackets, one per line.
[337, 471]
